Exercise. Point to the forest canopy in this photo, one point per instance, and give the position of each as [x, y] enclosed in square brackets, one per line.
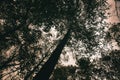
[34, 33]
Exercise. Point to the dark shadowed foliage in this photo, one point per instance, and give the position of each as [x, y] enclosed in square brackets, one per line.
[26, 47]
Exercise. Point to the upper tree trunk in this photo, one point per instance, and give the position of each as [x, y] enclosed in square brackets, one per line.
[48, 67]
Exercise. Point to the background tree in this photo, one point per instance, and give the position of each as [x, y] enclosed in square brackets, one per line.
[21, 39]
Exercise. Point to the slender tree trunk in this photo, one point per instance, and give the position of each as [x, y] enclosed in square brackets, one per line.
[48, 67]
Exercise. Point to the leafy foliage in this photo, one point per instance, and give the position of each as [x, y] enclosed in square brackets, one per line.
[63, 73]
[25, 32]
[114, 33]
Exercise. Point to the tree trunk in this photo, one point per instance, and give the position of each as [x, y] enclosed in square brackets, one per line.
[48, 67]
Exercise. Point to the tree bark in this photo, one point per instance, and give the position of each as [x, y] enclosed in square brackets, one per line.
[48, 67]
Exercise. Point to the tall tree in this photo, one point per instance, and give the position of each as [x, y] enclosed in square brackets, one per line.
[71, 17]
[48, 67]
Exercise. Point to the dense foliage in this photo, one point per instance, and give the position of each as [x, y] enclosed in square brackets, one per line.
[30, 30]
